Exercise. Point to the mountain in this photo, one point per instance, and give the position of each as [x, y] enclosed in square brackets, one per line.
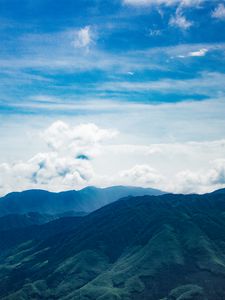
[169, 247]
[82, 201]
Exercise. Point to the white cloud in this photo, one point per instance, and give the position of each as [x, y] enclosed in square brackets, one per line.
[160, 2]
[217, 174]
[191, 2]
[54, 57]
[185, 181]
[174, 167]
[207, 83]
[140, 175]
[60, 170]
[62, 167]
[47, 171]
[82, 139]
[198, 53]
[201, 52]
[199, 181]
[219, 12]
[83, 37]
[180, 21]
[155, 32]
[147, 152]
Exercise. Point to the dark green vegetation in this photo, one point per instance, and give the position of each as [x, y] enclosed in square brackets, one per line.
[83, 201]
[8, 222]
[169, 247]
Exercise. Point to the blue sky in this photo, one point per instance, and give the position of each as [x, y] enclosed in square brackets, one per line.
[151, 70]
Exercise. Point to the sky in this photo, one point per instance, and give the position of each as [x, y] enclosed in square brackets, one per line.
[120, 92]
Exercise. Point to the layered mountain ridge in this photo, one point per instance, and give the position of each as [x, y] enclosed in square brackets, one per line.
[81, 201]
[169, 247]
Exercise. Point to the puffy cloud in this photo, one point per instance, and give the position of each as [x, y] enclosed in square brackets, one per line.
[217, 174]
[83, 139]
[180, 167]
[65, 166]
[219, 12]
[83, 37]
[77, 152]
[186, 182]
[141, 175]
[199, 181]
[46, 170]
[49, 166]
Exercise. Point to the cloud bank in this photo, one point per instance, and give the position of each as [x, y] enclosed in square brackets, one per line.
[75, 152]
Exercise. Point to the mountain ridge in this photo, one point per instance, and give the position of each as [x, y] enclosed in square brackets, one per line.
[85, 200]
[169, 247]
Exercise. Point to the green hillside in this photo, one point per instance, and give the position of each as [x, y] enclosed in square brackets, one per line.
[169, 247]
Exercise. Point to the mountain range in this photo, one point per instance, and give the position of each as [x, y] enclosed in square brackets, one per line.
[79, 202]
[169, 247]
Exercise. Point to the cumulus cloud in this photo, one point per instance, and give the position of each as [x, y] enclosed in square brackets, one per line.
[199, 181]
[84, 155]
[141, 175]
[82, 139]
[187, 181]
[219, 12]
[65, 166]
[217, 173]
[46, 170]
[83, 37]
[182, 167]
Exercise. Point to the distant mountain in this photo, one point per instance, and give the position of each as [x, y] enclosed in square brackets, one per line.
[82, 201]
[169, 247]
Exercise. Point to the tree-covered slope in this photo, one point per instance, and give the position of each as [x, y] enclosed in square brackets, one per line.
[168, 247]
[14, 221]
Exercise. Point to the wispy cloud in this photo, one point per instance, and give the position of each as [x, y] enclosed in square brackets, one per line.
[208, 83]
[160, 2]
[83, 37]
[219, 12]
[201, 52]
[49, 57]
[198, 53]
[179, 20]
